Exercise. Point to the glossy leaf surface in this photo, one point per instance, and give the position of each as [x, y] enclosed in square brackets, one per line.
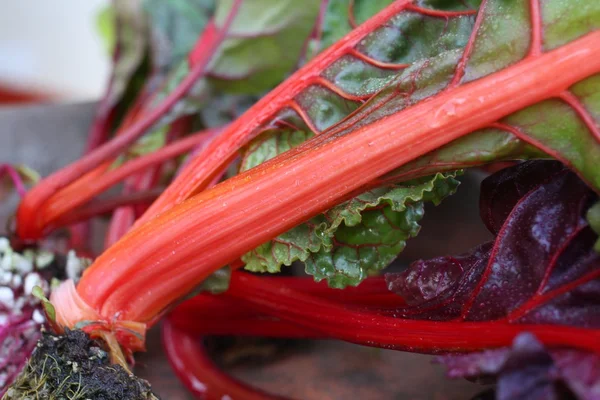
[541, 268]
[416, 51]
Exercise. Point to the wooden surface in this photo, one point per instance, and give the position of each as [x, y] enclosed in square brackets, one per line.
[48, 137]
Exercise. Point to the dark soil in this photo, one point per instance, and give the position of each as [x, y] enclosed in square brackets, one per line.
[74, 367]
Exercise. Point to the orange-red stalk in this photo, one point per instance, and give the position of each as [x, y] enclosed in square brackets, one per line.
[199, 373]
[165, 258]
[85, 189]
[30, 227]
[199, 173]
[365, 328]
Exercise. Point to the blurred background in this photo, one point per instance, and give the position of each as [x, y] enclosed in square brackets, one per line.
[51, 51]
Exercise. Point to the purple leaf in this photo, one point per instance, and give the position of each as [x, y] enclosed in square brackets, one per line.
[541, 268]
[529, 371]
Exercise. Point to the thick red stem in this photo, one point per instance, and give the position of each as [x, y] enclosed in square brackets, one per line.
[199, 373]
[372, 329]
[103, 206]
[252, 327]
[29, 227]
[201, 171]
[64, 202]
[241, 213]
[123, 218]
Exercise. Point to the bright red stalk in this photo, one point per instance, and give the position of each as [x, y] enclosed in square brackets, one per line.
[199, 373]
[103, 206]
[57, 207]
[29, 227]
[223, 223]
[371, 293]
[123, 218]
[202, 170]
[254, 327]
[372, 329]
[225, 315]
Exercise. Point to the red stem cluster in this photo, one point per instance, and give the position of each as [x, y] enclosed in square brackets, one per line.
[201, 230]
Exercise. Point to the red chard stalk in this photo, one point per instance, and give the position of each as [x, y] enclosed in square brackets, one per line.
[252, 202]
[430, 104]
[333, 168]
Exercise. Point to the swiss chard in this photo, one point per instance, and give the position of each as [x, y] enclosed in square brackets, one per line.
[413, 51]
[320, 103]
[337, 162]
[422, 108]
[184, 90]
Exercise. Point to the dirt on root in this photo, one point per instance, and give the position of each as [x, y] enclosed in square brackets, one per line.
[74, 367]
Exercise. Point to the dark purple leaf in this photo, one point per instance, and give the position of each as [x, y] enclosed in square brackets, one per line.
[503, 190]
[541, 268]
[529, 371]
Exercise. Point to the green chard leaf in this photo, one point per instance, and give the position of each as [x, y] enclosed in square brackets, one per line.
[415, 55]
[131, 44]
[105, 26]
[216, 283]
[354, 239]
[341, 16]
[275, 29]
[49, 309]
[565, 128]
[427, 49]
[123, 28]
[175, 27]
[235, 77]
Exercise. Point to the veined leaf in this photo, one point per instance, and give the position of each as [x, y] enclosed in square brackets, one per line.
[540, 269]
[337, 18]
[354, 239]
[266, 27]
[124, 28]
[253, 27]
[130, 46]
[454, 90]
[105, 26]
[282, 28]
[264, 43]
[175, 27]
[415, 51]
